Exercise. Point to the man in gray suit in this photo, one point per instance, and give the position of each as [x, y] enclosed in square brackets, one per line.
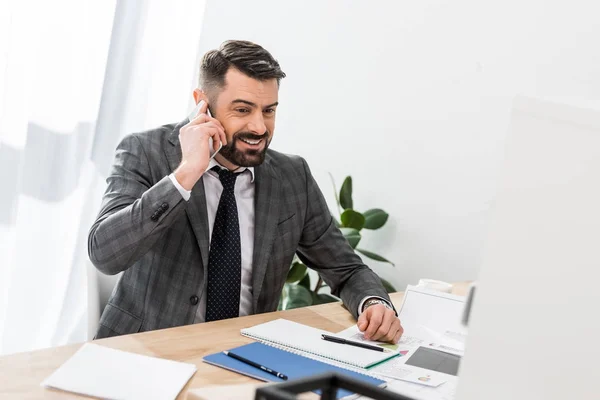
[200, 238]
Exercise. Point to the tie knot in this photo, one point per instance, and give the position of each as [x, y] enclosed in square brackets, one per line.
[226, 177]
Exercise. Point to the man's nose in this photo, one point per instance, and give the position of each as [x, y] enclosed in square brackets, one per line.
[257, 124]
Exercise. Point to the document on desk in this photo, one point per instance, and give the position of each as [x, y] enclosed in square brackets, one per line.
[115, 374]
[435, 318]
[429, 318]
[430, 348]
[396, 368]
[445, 391]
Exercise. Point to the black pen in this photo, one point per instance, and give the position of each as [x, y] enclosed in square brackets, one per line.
[256, 365]
[351, 343]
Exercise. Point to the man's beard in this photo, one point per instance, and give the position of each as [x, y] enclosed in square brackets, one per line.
[245, 158]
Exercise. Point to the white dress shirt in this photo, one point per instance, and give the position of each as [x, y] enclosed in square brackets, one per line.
[244, 197]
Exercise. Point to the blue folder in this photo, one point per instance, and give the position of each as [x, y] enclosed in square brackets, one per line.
[290, 364]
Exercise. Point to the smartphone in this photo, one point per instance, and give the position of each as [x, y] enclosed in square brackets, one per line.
[192, 115]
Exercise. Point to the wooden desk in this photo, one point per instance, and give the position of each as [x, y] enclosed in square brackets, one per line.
[21, 374]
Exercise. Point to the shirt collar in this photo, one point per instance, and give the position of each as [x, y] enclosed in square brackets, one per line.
[214, 163]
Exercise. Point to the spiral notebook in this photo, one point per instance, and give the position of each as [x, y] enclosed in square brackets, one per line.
[290, 364]
[295, 337]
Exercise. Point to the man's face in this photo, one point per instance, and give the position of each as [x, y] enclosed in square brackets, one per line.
[246, 109]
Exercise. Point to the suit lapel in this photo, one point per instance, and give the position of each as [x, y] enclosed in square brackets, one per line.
[196, 209]
[266, 214]
[198, 216]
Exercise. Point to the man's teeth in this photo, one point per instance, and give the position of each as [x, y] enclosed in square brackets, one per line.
[251, 141]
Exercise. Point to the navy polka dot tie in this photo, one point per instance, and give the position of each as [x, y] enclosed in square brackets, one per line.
[225, 257]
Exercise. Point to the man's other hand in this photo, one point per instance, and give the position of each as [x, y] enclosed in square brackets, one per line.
[380, 323]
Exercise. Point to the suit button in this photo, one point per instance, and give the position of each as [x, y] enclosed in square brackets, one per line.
[194, 300]
[164, 206]
[154, 217]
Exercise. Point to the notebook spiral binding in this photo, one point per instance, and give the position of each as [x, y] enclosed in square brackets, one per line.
[317, 357]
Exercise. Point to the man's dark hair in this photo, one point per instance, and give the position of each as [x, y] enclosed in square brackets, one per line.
[250, 58]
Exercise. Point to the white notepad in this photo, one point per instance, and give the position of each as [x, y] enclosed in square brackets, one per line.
[292, 336]
[115, 374]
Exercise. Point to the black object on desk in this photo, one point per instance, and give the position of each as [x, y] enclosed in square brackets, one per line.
[328, 384]
[340, 340]
[256, 365]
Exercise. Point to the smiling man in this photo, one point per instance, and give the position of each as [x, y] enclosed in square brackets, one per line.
[202, 239]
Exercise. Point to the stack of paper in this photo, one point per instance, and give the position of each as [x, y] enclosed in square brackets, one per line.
[114, 374]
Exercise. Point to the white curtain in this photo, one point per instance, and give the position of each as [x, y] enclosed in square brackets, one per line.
[75, 77]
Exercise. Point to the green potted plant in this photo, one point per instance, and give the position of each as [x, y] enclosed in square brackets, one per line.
[298, 290]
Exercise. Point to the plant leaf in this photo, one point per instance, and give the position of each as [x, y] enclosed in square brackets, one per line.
[388, 286]
[337, 199]
[323, 298]
[296, 273]
[375, 218]
[346, 193]
[305, 282]
[353, 219]
[352, 236]
[374, 256]
[279, 305]
[296, 297]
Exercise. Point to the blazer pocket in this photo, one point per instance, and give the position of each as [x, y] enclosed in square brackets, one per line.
[119, 320]
[287, 222]
[287, 232]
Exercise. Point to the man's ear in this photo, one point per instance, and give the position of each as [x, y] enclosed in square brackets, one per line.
[199, 95]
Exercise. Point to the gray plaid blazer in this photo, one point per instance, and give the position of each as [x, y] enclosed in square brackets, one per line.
[160, 242]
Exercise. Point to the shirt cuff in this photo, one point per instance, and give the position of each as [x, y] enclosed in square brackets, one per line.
[362, 302]
[186, 194]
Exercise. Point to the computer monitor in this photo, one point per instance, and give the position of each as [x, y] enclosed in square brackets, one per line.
[534, 330]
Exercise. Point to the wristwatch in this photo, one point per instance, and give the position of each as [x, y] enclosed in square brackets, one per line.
[371, 302]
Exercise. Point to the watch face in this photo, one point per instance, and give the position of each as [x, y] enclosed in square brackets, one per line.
[373, 302]
[376, 301]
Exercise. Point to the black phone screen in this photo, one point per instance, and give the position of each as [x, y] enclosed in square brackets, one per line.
[435, 360]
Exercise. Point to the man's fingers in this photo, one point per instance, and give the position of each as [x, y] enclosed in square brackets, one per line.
[375, 319]
[212, 126]
[218, 135]
[393, 332]
[201, 115]
[397, 336]
[222, 136]
[216, 121]
[203, 108]
[362, 322]
[383, 332]
[199, 119]
[203, 119]
[207, 130]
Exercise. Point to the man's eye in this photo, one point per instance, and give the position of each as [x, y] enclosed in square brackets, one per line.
[242, 110]
[270, 111]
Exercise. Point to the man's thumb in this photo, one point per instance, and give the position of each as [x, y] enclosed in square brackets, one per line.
[362, 322]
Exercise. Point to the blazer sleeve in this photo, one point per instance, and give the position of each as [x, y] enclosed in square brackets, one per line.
[134, 212]
[323, 248]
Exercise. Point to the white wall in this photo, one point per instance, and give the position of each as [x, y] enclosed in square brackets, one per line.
[412, 99]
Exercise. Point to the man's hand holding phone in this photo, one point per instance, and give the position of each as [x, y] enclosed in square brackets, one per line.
[195, 140]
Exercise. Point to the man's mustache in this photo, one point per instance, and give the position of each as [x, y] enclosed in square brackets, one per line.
[251, 136]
